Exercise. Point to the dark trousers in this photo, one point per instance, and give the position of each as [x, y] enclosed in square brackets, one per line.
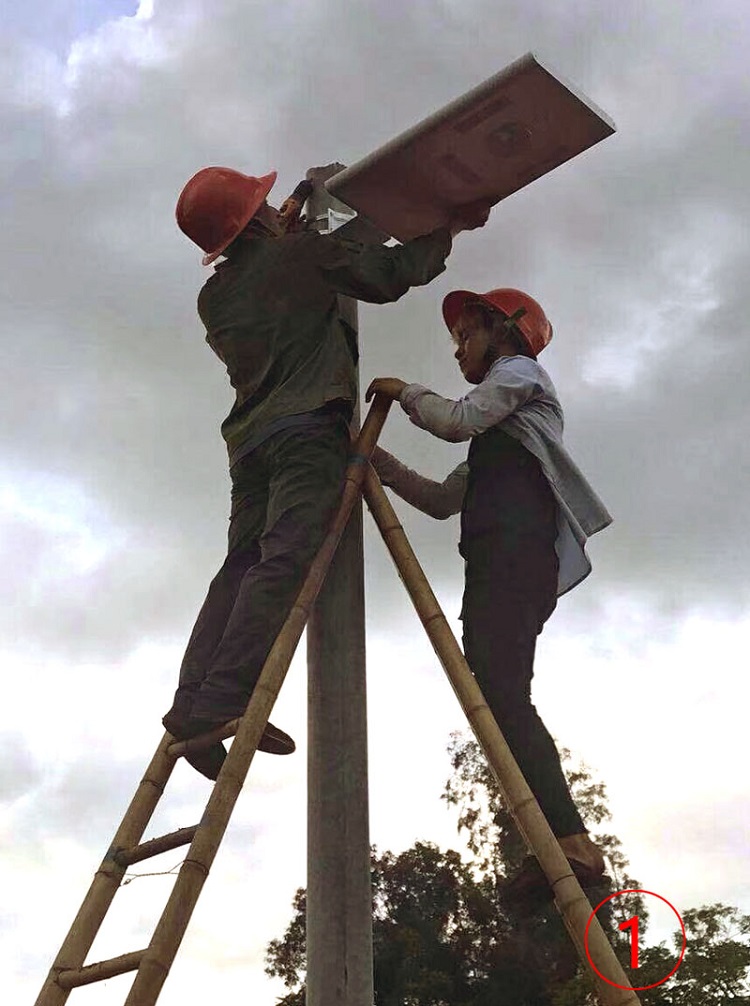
[284, 496]
[510, 591]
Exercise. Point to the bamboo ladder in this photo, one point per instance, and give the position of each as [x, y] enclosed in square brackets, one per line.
[153, 963]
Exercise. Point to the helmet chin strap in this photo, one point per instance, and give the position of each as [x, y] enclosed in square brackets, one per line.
[491, 354]
[512, 332]
[257, 227]
[510, 322]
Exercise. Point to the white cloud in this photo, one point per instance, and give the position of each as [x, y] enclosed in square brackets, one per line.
[671, 316]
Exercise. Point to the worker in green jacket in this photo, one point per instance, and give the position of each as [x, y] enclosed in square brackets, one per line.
[271, 314]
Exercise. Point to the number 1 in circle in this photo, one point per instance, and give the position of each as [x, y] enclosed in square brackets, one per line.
[632, 925]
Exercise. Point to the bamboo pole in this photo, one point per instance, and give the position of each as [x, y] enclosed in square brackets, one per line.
[194, 871]
[571, 900]
[107, 878]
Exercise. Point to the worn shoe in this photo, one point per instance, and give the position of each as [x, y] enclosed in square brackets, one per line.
[207, 761]
[272, 741]
[275, 741]
[529, 890]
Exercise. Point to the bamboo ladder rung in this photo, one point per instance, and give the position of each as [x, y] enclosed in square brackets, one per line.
[155, 846]
[178, 748]
[101, 970]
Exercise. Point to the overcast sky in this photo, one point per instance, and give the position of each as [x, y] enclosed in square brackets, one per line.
[113, 484]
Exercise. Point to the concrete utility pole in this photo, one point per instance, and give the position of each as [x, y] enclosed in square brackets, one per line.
[339, 898]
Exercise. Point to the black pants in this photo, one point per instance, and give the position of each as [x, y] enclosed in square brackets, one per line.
[509, 594]
[284, 496]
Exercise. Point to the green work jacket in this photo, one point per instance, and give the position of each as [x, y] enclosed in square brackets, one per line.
[272, 316]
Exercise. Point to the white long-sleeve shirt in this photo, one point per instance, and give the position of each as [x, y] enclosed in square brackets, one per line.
[517, 395]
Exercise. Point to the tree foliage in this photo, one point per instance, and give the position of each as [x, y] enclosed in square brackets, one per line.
[716, 966]
[438, 937]
[442, 936]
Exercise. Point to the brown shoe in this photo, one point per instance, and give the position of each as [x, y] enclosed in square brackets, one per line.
[529, 890]
[272, 741]
[275, 741]
[207, 761]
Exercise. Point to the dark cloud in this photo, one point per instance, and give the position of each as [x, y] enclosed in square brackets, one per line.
[636, 248]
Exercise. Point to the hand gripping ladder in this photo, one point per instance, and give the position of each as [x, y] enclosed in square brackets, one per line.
[153, 963]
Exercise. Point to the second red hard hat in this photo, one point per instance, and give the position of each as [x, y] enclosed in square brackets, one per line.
[532, 322]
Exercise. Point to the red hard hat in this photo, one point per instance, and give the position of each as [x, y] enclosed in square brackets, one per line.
[532, 322]
[217, 204]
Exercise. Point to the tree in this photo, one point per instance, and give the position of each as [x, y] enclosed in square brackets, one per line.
[716, 967]
[491, 833]
[499, 850]
[442, 936]
[439, 939]
[286, 958]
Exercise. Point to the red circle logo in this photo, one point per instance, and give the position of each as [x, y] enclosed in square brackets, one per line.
[632, 925]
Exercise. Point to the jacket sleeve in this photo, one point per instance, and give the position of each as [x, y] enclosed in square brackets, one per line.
[437, 499]
[378, 274]
[509, 385]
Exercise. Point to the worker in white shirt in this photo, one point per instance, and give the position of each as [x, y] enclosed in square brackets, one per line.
[526, 512]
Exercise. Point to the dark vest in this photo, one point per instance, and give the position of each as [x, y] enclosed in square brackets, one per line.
[508, 499]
